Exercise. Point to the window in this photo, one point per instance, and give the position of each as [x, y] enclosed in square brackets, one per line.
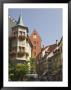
[23, 48]
[34, 36]
[34, 42]
[34, 33]
[34, 47]
[14, 33]
[14, 48]
[19, 48]
[34, 53]
[23, 33]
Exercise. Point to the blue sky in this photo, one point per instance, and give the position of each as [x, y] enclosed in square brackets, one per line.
[47, 22]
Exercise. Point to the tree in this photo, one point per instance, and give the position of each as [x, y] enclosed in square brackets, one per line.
[12, 72]
[17, 71]
[32, 65]
[21, 70]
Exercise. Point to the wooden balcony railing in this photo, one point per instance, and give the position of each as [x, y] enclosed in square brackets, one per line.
[21, 37]
[21, 54]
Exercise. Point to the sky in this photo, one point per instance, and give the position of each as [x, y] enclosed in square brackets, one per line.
[47, 22]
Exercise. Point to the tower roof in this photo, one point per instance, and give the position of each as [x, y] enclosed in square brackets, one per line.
[20, 21]
[35, 33]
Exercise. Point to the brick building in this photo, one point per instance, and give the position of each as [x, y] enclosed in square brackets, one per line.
[36, 42]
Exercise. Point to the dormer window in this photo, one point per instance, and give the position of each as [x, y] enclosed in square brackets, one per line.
[46, 52]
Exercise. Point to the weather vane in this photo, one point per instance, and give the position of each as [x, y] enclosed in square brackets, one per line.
[21, 12]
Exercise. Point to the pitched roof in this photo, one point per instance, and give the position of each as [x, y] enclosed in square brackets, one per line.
[21, 24]
[49, 50]
[20, 21]
[50, 47]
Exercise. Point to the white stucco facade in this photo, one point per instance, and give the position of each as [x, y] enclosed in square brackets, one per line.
[20, 45]
[43, 52]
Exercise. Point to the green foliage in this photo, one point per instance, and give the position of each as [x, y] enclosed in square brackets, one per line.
[17, 71]
[57, 63]
[32, 65]
[32, 61]
[22, 70]
[12, 72]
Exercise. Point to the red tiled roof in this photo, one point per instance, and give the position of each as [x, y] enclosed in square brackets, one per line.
[50, 49]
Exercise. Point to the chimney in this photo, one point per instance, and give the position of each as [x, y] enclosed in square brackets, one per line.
[56, 42]
[43, 46]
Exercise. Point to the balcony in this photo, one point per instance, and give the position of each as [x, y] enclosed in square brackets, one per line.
[21, 37]
[13, 53]
[21, 54]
